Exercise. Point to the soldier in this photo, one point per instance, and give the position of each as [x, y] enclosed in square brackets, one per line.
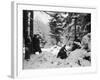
[36, 44]
[62, 53]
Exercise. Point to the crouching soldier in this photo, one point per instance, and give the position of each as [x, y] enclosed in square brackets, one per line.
[62, 53]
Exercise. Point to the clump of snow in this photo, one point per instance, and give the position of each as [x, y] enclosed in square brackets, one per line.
[77, 56]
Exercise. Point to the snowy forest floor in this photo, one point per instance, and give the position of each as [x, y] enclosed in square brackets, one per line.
[49, 60]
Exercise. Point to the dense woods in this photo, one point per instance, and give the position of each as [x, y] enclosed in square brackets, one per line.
[56, 39]
[69, 26]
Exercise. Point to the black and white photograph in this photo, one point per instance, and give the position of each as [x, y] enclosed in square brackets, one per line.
[56, 39]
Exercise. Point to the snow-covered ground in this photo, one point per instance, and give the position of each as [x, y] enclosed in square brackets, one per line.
[54, 49]
[48, 59]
